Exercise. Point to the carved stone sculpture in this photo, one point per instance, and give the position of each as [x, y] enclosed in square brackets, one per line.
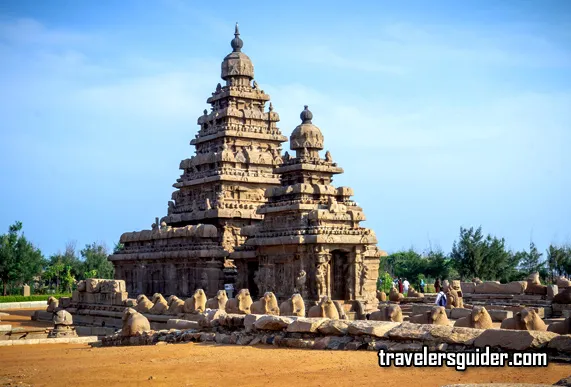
[381, 296]
[414, 293]
[241, 304]
[525, 320]
[160, 305]
[387, 313]
[326, 308]
[53, 304]
[144, 305]
[134, 323]
[437, 316]
[176, 306]
[563, 297]
[63, 325]
[534, 285]
[218, 302]
[300, 282]
[478, 319]
[268, 304]
[453, 300]
[93, 285]
[197, 303]
[395, 296]
[293, 306]
[562, 282]
[321, 279]
[81, 286]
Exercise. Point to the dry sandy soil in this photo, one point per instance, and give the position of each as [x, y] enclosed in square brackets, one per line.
[192, 364]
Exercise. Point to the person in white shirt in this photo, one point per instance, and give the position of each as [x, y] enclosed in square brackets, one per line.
[405, 286]
[441, 299]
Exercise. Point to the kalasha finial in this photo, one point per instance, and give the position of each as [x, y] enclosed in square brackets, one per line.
[306, 116]
[237, 43]
[271, 107]
[205, 112]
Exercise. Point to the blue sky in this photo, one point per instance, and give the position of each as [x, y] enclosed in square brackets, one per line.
[442, 113]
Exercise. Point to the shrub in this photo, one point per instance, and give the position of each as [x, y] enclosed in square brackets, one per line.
[36, 297]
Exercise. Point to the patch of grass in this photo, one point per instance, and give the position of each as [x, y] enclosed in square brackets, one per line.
[37, 297]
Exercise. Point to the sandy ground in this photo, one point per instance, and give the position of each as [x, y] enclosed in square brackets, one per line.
[21, 318]
[202, 364]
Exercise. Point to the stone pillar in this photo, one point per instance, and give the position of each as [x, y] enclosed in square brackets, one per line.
[26, 291]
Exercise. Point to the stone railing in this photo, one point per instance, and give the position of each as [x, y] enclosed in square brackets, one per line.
[322, 333]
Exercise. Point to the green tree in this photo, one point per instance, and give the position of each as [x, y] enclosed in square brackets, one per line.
[531, 260]
[558, 260]
[20, 261]
[95, 258]
[477, 256]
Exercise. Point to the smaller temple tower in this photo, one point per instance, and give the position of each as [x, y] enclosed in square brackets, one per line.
[310, 240]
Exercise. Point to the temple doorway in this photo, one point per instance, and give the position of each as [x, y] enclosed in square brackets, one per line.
[339, 275]
[253, 267]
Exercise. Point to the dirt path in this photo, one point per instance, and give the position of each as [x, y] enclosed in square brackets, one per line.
[22, 318]
[214, 365]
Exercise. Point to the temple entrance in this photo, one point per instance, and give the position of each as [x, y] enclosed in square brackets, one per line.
[253, 267]
[339, 275]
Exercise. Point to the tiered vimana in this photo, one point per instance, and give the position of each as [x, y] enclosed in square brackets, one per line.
[310, 240]
[221, 187]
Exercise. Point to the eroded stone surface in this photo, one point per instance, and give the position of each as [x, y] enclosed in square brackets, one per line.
[273, 323]
[305, 325]
[513, 340]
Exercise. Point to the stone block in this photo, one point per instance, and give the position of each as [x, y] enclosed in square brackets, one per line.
[40, 315]
[250, 320]
[26, 291]
[334, 327]
[65, 302]
[561, 344]
[5, 343]
[371, 328]
[552, 290]
[5, 328]
[339, 342]
[421, 308]
[120, 298]
[296, 343]
[99, 331]
[89, 298]
[273, 323]
[513, 340]
[454, 335]
[83, 331]
[182, 324]
[500, 315]
[305, 325]
[410, 331]
[468, 287]
[232, 320]
[457, 313]
[26, 341]
[75, 296]
[26, 305]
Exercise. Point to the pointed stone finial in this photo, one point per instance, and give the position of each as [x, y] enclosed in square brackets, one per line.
[271, 107]
[237, 43]
[306, 116]
[205, 112]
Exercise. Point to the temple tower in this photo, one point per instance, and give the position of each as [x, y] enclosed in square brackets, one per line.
[310, 240]
[219, 191]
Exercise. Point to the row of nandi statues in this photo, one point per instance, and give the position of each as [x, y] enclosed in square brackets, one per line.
[241, 304]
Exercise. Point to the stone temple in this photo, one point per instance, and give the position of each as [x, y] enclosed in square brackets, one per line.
[278, 218]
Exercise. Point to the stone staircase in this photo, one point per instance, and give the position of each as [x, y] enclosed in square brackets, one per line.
[406, 311]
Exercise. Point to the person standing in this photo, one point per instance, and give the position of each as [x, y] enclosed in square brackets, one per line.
[422, 285]
[400, 286]
[437, 285]
[405, 286]
[441, 299]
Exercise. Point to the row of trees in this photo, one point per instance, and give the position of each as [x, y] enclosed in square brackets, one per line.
[475, 255]
[21, 263]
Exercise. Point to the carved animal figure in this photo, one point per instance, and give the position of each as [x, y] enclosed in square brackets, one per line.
[534, 285]
[387, 313]
[81, 286]
[160, 305]
[93, 285]
[563, 282]
[293, 306]
[437, 316]
[134, 323]
[62, 317]
[561, 327]
[452, 299]
[563, 298]
[394, 295]
[381, 296]
[268, 304]
[414, 293]
[53, 304]
[524, 320]
[176, 306]
[479, 319]
[218, 302]
[326, 308]
[241, 304]
[197, 303]
[144, 305]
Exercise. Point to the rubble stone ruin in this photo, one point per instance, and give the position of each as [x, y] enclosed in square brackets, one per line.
[278, 218]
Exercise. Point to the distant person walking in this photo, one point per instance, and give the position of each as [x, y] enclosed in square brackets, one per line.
[441, 299]
[400, 286]
[437, 285]
[405, 286]
[422, 284]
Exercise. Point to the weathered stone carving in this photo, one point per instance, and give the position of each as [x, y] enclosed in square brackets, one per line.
[478, 319]
[241, 304]
[562, 282]
[293, 306]
[413, 293]
[160, 305]
[381, 296]
[525, 320]
[63, 325]
[453, 295]
[395, 296]
[218, 302]
[561, 327]
[437, 316]
[387, 313]
[53, 304]
[197, 303]
[268, 304]
[326, 308]
[144, 305]
[175, 306]
[534, 285]
[563, 297]
[134, 323]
